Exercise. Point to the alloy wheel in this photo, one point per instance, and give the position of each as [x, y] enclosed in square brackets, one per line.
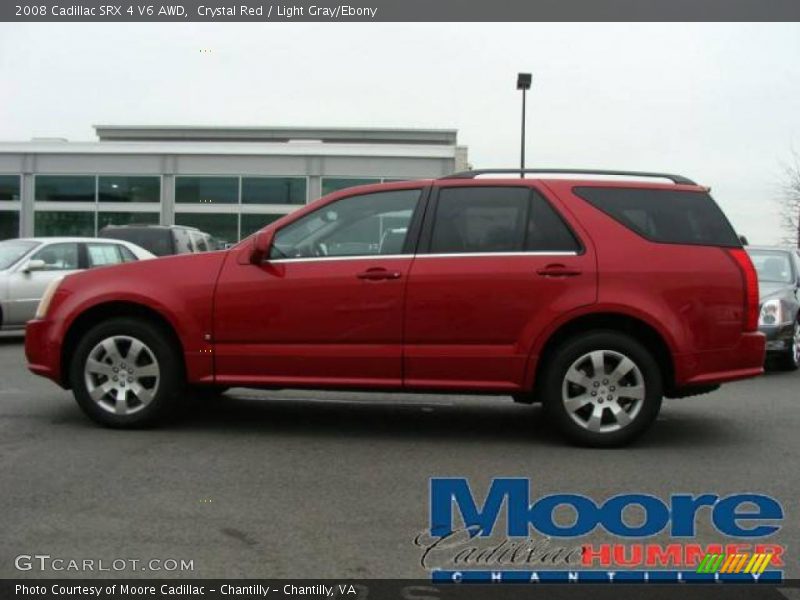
[603, 391]
[122, 375]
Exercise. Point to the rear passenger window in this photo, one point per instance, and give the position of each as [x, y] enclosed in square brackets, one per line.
[501, 219]
[103, 254]
[668, 216]
[480, 219]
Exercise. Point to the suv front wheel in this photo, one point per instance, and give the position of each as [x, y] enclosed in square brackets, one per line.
[126, 372]
[602, 389]
[790, 359]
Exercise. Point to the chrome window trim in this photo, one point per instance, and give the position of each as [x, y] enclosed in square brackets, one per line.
[477, 254]
[331, 258]
[441, 255]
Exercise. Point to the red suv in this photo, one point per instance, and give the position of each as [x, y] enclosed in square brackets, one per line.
[596, 297]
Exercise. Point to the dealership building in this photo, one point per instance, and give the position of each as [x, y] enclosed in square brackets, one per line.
[228, 181]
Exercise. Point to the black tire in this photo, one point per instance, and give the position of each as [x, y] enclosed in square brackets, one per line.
[789, 360]
[206, 393]
[165, 394]
[524, 398]
[575, 424]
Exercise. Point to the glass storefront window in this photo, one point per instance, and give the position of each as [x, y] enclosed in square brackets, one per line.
[63, 223]
[252, 223]
[273, 190]
[65, 188]
[224, 227]
[207, 190]
[126, 218]
[334, 184]
[129, 189]
[9, 224]
[9, 187]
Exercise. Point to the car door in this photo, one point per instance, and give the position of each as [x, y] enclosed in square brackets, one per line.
[26, 287]
[496, 265]
[326, 309]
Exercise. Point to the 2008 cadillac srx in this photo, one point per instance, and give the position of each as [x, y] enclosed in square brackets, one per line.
[596, 297]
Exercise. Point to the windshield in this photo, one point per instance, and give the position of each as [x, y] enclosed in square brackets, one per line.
[12, 250]
[774, 266]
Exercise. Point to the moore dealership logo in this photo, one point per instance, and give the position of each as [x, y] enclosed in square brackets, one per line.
[513, 535]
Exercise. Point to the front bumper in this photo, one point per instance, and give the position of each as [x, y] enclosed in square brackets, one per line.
[43, 350]
[779, 337]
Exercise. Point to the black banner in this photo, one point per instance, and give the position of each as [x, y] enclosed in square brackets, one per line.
[363, 589]
[394, 11]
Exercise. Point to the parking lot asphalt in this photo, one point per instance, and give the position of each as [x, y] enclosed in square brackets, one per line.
[310, 484]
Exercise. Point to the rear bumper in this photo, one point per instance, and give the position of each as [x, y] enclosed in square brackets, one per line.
[43, 350]
[742, 361]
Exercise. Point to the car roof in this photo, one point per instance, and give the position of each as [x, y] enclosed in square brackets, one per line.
[149, 226]
[510, 181]
[56, 239]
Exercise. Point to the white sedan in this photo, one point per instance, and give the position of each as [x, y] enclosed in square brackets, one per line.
[28, 265]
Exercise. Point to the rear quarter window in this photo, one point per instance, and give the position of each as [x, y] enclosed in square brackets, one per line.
[666, 216]
[183, 241]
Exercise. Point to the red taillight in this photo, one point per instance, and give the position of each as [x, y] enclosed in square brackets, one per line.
[750, 287]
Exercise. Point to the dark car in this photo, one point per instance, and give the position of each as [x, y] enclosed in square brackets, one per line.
[596, 298]
[779, 282]
[162, 240]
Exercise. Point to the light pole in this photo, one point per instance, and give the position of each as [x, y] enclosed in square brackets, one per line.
[524, 84]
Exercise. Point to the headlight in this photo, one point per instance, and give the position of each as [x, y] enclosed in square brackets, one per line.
[771, 313]
[44, 303]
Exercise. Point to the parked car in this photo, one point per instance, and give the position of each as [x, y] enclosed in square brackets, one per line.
[595, 297]
[162, 240]
[779, 315]
[28, 265]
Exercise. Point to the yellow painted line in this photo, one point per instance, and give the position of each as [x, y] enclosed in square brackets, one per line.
[765, 564]
[741, 562]
[757, 558]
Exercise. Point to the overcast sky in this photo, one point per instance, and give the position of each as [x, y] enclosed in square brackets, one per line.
[717, 102]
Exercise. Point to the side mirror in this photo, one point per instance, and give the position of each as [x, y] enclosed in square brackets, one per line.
[34, 265]
[262, 244]
[743, 240]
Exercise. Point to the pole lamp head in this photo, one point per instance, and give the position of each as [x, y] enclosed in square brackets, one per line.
[523, 81]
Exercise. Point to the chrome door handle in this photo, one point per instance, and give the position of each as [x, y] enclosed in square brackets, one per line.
[378, 274]
[558, 270]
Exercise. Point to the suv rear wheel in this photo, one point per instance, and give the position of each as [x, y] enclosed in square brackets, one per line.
[126, 372]
[602, 389]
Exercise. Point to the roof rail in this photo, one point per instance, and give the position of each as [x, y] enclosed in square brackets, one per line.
[677, 179]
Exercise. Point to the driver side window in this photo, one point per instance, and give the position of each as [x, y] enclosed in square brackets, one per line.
[365, 225]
